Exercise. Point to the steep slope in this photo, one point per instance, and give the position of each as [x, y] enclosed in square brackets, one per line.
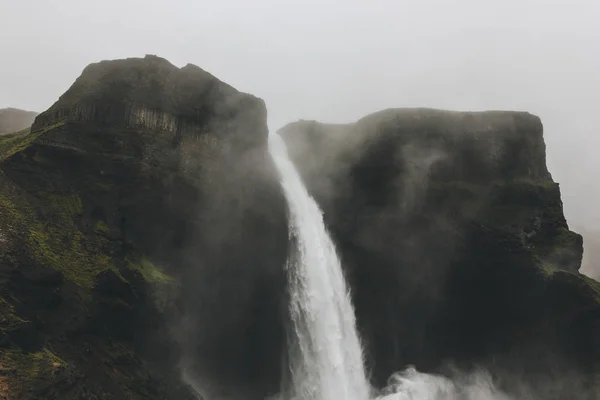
[14, 120]
[454, 241]
[143, 229]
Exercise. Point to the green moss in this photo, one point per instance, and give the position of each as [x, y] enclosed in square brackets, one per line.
[8, 319]
[8, 210]
[14, 143]
[49, 128]
[101, 227]
[116, 271]
[59, 244]
[150, 272]
[547, 269]
[47, 225]
[160, 283]
[51, 246]
[66, 207]
[20, 372]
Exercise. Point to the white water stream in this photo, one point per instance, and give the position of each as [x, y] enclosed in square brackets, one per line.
[326, 358]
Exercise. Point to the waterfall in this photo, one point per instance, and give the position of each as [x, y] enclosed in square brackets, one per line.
[325, 354]
[326, 360]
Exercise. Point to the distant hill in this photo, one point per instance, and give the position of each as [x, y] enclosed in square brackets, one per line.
[13, 119]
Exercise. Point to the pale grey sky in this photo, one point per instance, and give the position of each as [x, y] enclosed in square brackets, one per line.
[337, 60]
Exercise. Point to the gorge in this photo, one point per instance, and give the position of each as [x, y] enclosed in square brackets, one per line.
[147, 220]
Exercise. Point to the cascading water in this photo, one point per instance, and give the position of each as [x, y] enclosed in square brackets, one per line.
[326, 360]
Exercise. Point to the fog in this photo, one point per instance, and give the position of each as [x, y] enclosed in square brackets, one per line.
[336, 61]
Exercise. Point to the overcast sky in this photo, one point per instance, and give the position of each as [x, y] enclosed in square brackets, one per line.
[336, 61]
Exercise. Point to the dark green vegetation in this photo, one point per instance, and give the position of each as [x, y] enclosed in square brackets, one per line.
[69, 299]
[117, 232]
[455, 243]
[13, 120]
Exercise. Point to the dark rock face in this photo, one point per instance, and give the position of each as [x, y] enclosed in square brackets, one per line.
[143, 228]
[452, 234]
[14, 120]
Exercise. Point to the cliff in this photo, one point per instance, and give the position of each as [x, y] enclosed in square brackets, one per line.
[143, 233]
[14, 120]
[454, 241]
[143, 238]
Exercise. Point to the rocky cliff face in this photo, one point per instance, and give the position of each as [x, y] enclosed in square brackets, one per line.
[454, 240]
[142, 230]
[14, 120]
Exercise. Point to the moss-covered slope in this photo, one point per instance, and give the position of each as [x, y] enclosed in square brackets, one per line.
[124, 237]
[68, 298]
